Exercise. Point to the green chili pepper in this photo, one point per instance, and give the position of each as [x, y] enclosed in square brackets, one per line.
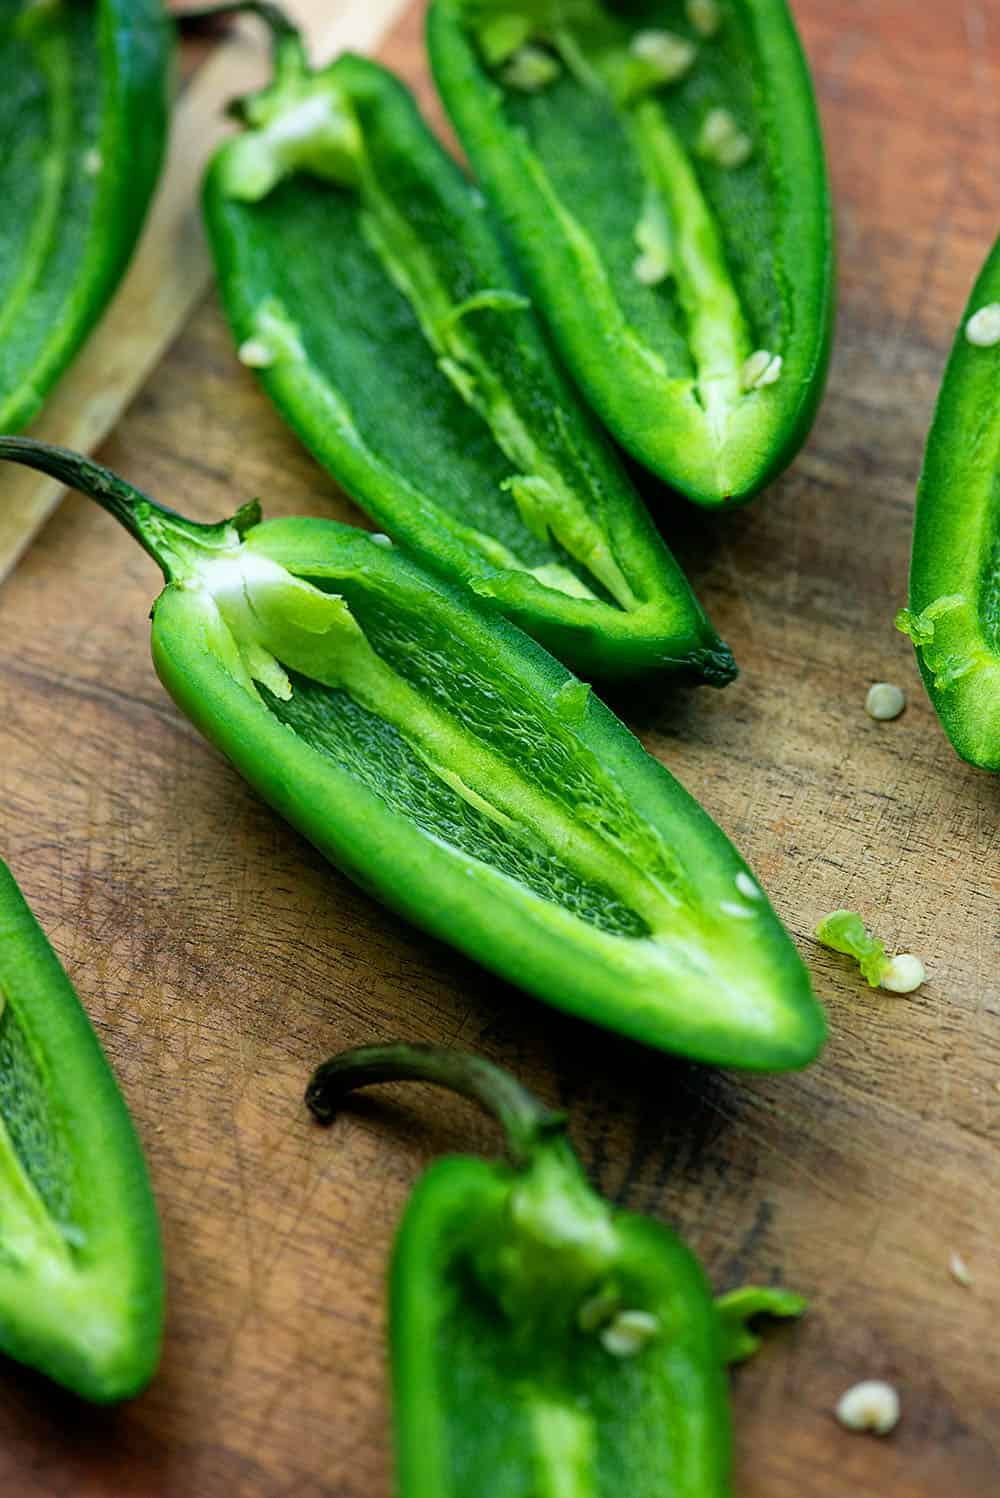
[457, 771]
[81, 1275]
[954, 613]
[365, 285]
[544, 1342]
[660, 172]
[83, 116]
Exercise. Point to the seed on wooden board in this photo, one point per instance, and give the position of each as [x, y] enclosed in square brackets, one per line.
[871, 1405]
[904, 974]
[884, 701]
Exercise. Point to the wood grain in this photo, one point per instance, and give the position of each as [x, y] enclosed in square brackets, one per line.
[220, 958]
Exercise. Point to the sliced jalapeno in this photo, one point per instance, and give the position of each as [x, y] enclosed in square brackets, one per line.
[660, 172]
[81, 1274]
[456, 770]
[954, 613]
[366, 287]
[83, 118]
[543, 1341]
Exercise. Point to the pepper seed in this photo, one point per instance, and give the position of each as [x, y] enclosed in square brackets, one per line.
[884, 701]
[255, 354]
[904, 974]
[722, 141]
[672, 56]
[762, 368]
[983, 327]
[871, 1405]
[629, 1333]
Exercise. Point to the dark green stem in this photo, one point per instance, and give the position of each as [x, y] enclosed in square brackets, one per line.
[113, 494]
[288, 48]
[280, 26]
[524, 1120]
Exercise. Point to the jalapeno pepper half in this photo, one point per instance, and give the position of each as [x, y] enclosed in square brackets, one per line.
[954, 613]
[81, 1274]
[83, 119]
[543, 1341]
[453, 768]
[660, 172]
[365, 284]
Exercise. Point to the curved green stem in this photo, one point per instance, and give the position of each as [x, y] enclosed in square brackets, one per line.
[122, 500]
[280, 25]
[525, 1121]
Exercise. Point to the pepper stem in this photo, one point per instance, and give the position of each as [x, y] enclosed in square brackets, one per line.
[122, 500]
[279, 24]
[286, 38]
[524, 1120]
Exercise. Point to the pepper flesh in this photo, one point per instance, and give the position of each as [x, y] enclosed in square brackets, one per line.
[453, 768]
[83, 119]
[704, 353]
[542, 1341]
[369, 292]
[953, 617]
[81, 1274]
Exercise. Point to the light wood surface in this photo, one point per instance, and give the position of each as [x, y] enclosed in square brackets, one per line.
[221, 958]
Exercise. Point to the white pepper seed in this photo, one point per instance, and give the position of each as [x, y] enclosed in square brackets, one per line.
[884, 701]
[871, 1405]
[629, 1333]
[730, 907]
[762, 368]
[904, 974]
[722, 141]
[672, 56]
[983, 327]
[255, 353]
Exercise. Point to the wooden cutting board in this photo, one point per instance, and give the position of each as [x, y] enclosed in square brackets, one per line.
[221, 958]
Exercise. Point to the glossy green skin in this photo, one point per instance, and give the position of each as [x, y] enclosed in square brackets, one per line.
[956, 538]
[466, 1379]
[721, 990]
[89, 1314]
[562, 156]
[83, 118]
[419, 460]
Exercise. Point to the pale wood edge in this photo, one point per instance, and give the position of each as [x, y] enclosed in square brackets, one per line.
[171, 268]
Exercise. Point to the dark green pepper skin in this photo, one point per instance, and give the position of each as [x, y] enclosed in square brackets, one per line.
[510, 1296]
[574, 166]
[81, 1272]
[431, 417]
[454, 769]
[83, 121]
[954, 613]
